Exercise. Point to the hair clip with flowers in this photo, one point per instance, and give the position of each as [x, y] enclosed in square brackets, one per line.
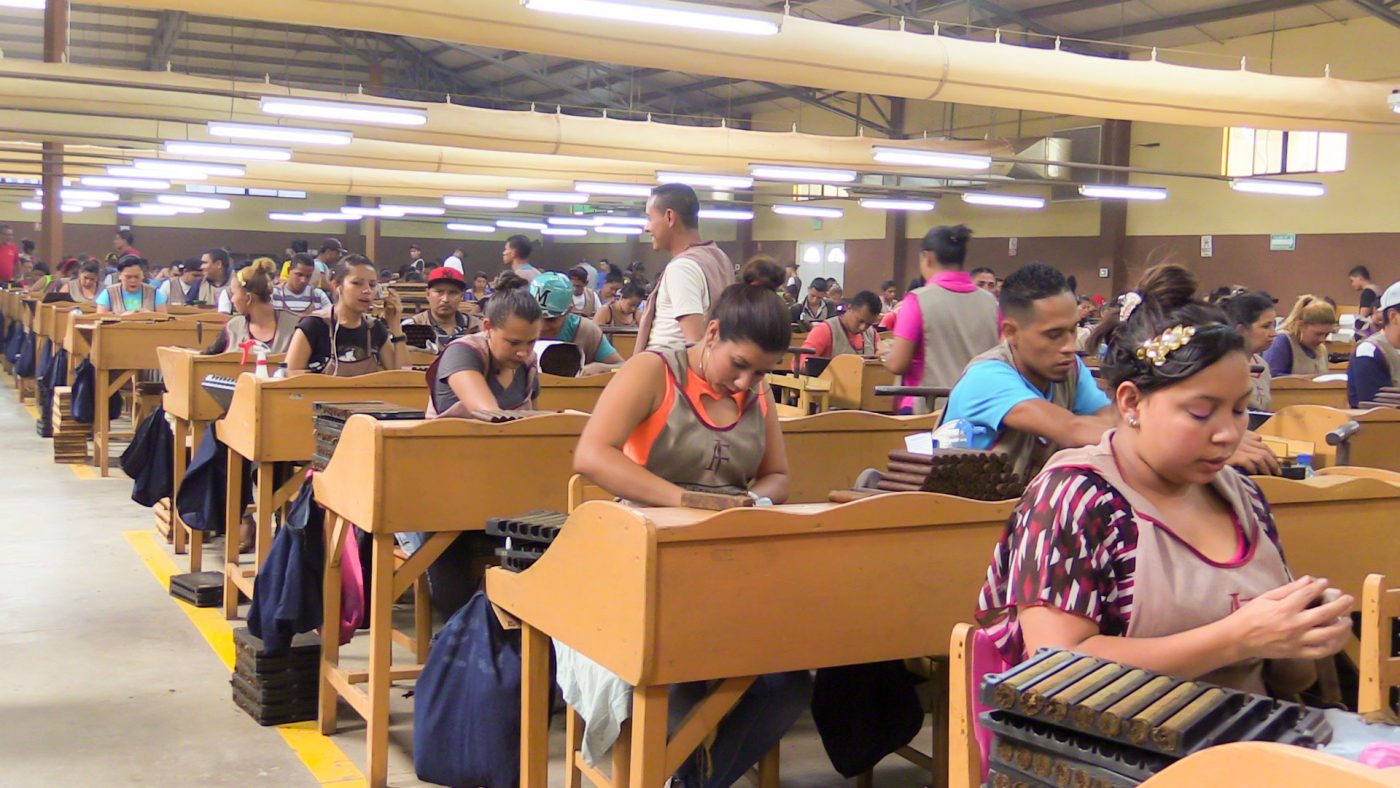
[1157, 349]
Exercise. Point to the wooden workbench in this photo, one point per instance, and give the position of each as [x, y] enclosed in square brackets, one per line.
[1303, 390]
[272, 421]
[647, 593]
[1272, 765]
[853, 381]
[1375, 445]
[828, 450]
[375, 481]
[1338, 527]
[192, 410]
[580, 394]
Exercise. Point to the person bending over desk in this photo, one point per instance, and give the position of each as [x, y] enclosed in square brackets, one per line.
[1147, 548]
[1301, 348]
[250, 292]
[130, 293]
[86, 286]
[852, 333]
[623, 310]
[494, 369]
[555, 295]
[1375, 363]
[347, 341]
[1253, 315]
[1032, 394]
[702, 418]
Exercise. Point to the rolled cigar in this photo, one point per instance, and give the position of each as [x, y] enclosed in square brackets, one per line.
[714, 502]
[904, 478]
[889, 486]
[1064, 775]
[848, 496]
[1085, 713]
[1060, 701]
[1034, 701]
[1042, 765]
[908, 467]
[1004, 696]
[1111, 720]
[1141, 725]
[1168, 735]
[911, 457]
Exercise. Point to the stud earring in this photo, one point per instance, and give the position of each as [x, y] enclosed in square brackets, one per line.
[1133, 422]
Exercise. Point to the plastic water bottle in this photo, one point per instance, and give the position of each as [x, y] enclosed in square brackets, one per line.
[1305, 461]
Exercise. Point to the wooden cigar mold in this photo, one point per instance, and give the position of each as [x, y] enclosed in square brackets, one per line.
[330, 418]
[1067, 719]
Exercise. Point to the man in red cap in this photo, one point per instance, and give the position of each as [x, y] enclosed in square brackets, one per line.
[446, 287]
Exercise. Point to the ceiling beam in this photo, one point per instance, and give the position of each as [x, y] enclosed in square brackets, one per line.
[996, 11]
[1380, 11]
[806, 97]
[1191, 20]
[163, 39]
[1067, 7]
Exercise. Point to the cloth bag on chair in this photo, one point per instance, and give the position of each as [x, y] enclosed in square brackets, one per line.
[466, 706]
[204, 489]
[287, 598]
[149, 459]
[83, 406]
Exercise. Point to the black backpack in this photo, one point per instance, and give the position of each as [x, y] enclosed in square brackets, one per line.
[150, 460]
[83, 407]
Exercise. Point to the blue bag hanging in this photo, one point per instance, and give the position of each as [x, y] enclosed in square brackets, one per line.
[204, 489]
[466, 706]
[14, 343]
[82, 406]
[150, 459]
[25, 364]
[287, 599]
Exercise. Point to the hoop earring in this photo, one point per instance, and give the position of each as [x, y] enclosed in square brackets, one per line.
[704, 356]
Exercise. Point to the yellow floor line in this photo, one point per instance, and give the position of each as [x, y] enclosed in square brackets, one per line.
[325, 760]
[33, 410]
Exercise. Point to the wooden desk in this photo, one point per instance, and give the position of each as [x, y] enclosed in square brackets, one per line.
[853, 381]
[375, 480]
[272, 421]
[623, 339]
[1302, 390]
[827, 451]
[1272, 765]
[1373, 446]
[119, 349]
[192, 410]
[800, 395]
[647, 593]
[1338, 527]
[580, 394]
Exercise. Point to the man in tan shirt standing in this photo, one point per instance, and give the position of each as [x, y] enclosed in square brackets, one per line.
[697, 274]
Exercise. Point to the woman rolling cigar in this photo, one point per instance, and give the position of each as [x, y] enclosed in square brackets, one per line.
[702, 418]
[255, 319]
[1253, 316]
[348, 342]
[1148, 549]
[495, 368]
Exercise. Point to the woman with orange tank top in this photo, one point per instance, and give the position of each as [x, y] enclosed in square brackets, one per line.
[702, 419]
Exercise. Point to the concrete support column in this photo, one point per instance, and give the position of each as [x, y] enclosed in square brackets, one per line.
[51, 163]
[1112, 251]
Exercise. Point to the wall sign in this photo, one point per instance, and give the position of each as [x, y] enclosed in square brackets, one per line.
[1103, 273]
[1011, 247]
[1207, 246]
[1283, 242]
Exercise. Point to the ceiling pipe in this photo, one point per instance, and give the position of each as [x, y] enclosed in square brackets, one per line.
[906, 64]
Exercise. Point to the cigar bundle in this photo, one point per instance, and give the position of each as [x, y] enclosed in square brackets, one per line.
[967, 473]
[1140, 710]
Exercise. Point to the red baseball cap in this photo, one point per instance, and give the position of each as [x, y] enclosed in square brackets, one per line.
[445, 274]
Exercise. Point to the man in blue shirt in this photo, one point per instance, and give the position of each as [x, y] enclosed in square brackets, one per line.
[1375, 363]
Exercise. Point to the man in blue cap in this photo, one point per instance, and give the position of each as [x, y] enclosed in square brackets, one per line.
[556, 296]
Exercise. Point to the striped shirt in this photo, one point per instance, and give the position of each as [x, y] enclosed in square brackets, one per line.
[1071, 544]
[310, 299]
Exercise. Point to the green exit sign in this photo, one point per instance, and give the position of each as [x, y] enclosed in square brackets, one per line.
[1283, 242]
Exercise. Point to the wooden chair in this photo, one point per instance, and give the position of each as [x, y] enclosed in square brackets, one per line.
[1380, 668]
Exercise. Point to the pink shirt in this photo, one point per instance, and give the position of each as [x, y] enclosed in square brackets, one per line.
[909, 324]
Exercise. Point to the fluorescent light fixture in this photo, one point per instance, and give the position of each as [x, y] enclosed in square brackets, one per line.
[67, 207]
[414, 210]
[933, 158]
[670, 14]
[349, 111]
[235, 191]
[481, 202]
[571, 221]
[625, 221]
[83, 194]
[802, 174]
[1123, 192]
[897, 205]
[199, 167]
[255, 131]
[1288, 188]
[531, 196]
[1003, 200]
[333, 216]
[146, 210]
[82, 203]
[814, 211]
[226, 150]
[706, 180]
[613, 189]
[176, 208]
[726, 214]
[607, 229]
[575, 232]
[32, 5]
[515, 224]
[110, 182]
[459, 227]
[137, 172]
[370, 211]
[290, 217]
[216, 203]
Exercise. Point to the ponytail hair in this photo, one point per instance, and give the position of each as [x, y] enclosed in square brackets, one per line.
[1164, 299]
[948, 244]
[257, 278]
[1244, 309]
[752, 311]
[512, 298]
[763, 271]
[1309, 310]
